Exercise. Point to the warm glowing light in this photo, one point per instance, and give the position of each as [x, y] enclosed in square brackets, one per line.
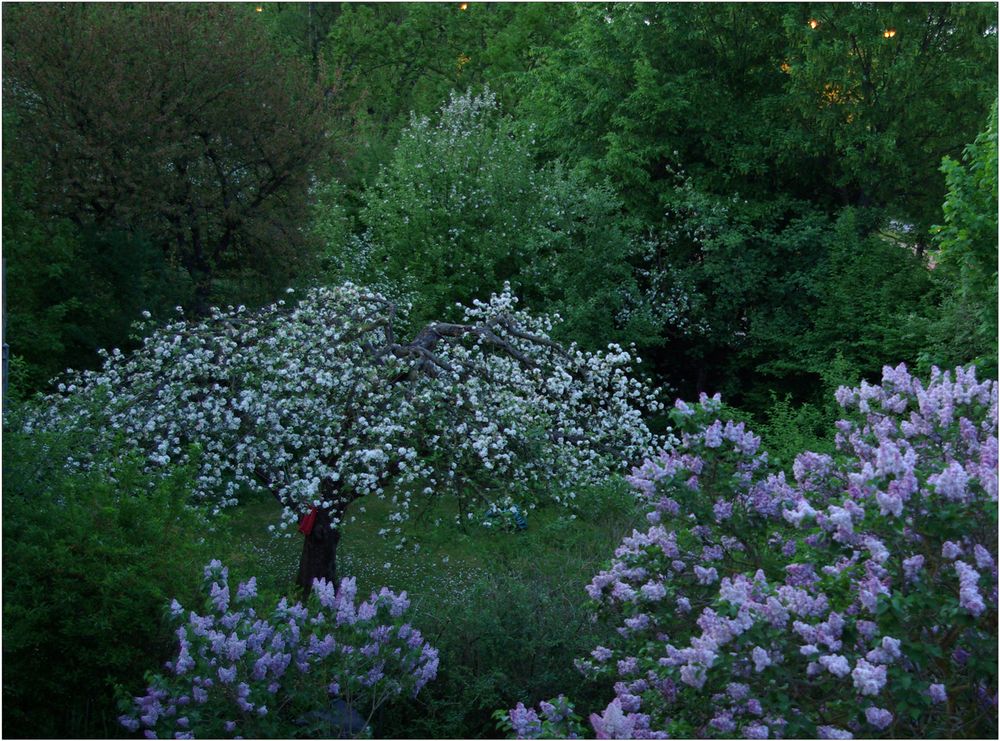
[813, 24]
[259, 8]
[833, 93]
[786, 67]
[889, 33]
[463, 6]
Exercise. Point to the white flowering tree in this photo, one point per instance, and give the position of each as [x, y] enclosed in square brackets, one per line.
[320, 403]
[462, 206]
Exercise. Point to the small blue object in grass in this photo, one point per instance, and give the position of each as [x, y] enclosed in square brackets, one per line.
[512, 518]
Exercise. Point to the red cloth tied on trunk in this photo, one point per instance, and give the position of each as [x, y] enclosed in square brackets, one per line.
[307, 522]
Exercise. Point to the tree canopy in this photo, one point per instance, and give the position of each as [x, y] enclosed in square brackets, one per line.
[688, 177]
[183, 125]
[320, 402]
[843, 104]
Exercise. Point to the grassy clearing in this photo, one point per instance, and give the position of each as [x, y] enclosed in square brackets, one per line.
[435, 559]
[507, 610]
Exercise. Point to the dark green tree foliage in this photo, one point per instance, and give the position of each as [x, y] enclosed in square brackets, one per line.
[393, 58]
[299, 29]
[587, 271]
[739, 132]
[40, 255]
[89, 565]
[638, 89]
[183, 124]
[773, 292]
[813, 292]
[869, 309]
[879, 93]
[964, 325]
[656, 86]
[753, 100]
[751, 268]
[73, 289]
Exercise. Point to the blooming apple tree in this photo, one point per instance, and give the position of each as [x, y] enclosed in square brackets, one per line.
[859, 598]
[320, 402]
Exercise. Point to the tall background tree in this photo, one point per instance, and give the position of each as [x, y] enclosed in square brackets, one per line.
[841, 104]
[420, 53]
[740, 133]
[164, 138]
[964, 323]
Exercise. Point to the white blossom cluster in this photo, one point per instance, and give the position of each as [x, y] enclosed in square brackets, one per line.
[666, 298]
[319, 403]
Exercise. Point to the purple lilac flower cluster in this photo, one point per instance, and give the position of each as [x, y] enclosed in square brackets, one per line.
[858, 599]
[554, 719]
[241, 673]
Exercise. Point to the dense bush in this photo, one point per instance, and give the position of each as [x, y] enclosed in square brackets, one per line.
[858, 599]
[73, 289]
[762, 297]
[295, 670]
[88, 562]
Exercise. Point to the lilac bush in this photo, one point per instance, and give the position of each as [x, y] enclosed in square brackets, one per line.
[243, 672]
[858, 598]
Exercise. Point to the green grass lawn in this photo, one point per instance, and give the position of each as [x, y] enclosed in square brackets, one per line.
[507, 610]
[433, 558]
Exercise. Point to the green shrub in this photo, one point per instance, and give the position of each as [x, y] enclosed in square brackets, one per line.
[515, 634]
[790, 428]
[89, 563]
[963, 323]
[514, 631]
